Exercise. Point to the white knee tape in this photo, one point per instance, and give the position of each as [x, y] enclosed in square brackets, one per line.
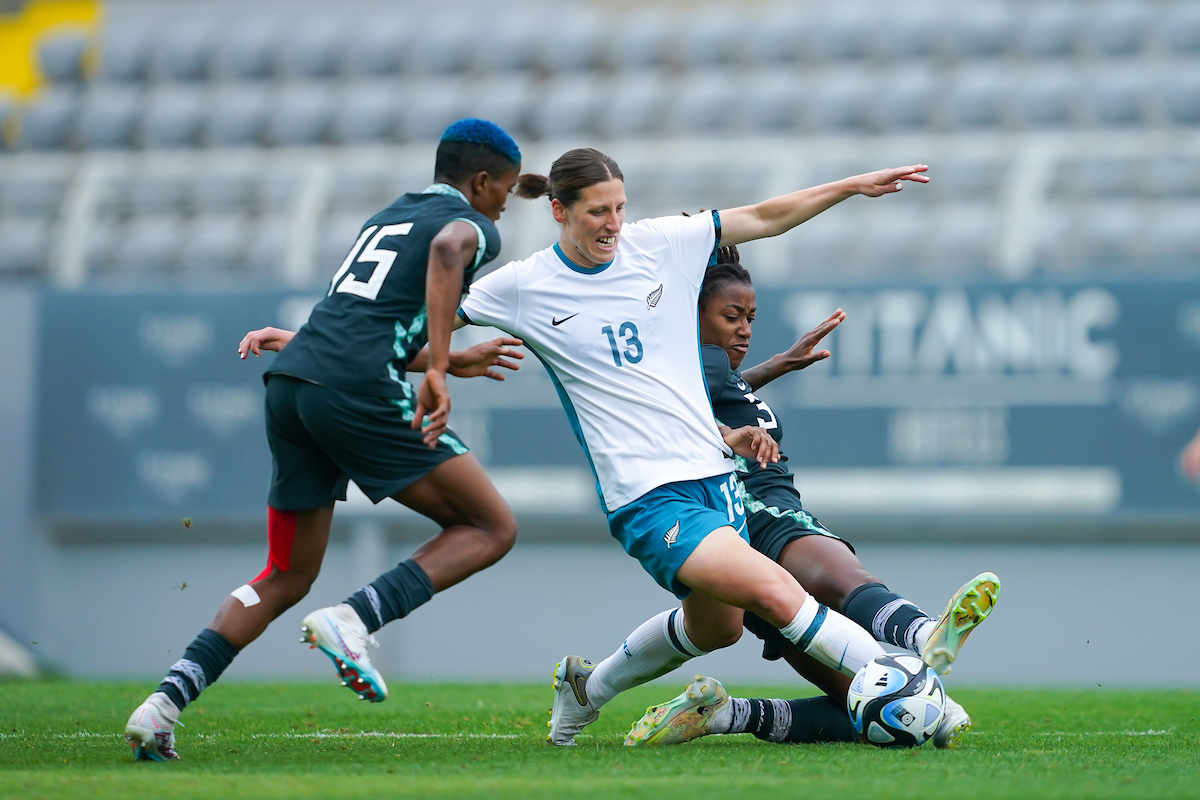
[247, 595]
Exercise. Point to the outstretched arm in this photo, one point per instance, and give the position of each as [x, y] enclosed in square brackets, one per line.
[780, 214]
[476, 361]
[1190, 461]
[264, 339]
[798, 356]
[449, 253]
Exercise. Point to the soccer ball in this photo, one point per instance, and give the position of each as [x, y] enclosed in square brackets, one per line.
[896, 701]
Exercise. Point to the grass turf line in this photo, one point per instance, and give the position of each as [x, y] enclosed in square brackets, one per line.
[62, 739]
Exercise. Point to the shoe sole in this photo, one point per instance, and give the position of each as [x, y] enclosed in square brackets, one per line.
[652, 731]
[353, 678]
[956, 735]
[969, 606]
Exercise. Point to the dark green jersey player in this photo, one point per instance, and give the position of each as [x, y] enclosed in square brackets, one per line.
[783, 530]
[339, 408]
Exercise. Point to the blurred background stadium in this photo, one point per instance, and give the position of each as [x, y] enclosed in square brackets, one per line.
[1018, 373]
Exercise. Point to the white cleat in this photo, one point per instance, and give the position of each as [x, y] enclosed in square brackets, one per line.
[969, 606]
[342, 636]
[572, 710]
[955, 722]
[688, 716]
[151, 729]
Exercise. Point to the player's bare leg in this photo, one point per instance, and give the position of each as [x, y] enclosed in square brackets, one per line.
[477, 530]
[297, 548]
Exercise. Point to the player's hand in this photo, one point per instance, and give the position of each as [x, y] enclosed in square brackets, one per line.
[801, 355]
[1190, 461]
[753, 442]
[264, 339]
[477, 361]
[888, 181]
[433, 401]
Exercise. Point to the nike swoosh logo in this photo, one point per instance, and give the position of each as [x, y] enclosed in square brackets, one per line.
[557, 322]
[842, 660]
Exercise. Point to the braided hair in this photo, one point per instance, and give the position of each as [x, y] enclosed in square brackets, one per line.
[727, 268]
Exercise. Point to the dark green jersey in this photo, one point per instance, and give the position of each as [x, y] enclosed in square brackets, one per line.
[361, 337]
[735, 404]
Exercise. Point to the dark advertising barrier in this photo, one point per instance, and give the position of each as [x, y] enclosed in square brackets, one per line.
[1033, 399]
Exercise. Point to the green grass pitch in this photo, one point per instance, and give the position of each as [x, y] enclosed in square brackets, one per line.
[252, 740]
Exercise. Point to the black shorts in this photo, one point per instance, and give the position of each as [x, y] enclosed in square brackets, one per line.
[773, 523]
[321, 438]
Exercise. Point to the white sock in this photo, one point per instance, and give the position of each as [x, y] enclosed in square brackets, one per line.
[830, 638]
[658, 646]
[921, 635]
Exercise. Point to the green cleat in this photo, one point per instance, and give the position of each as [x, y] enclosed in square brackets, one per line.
[970, 606]
[686, 717]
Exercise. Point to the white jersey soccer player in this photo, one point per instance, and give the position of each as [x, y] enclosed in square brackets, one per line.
[621, 344]
[612, 312]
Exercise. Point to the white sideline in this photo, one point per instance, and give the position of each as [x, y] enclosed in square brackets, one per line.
[315, 735]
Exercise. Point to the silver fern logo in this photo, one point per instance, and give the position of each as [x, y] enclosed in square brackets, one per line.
[653, 298]
[672, 534]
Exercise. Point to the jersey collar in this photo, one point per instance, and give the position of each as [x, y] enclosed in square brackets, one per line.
[446, 189]
[575, 267]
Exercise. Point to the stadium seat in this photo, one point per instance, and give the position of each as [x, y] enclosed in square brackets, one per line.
[379, 47]
[1181, 97]
[247, 47]
[908, 31]
[702, 102]
[839, 32]
[1172, 238]
[714, 36]
[1116, 28]
[150, 244]
[634, 106]
[980, 30]
[238, 114]
[45, 124]
[580, 35]
[1170, 177]
[840, 100]
[125, 49]
[567, 107]
[514, 43]
[961, 238]
[61, 56]
[173, 116]
[152, 194]
[1044, 96]
[181, 48]
[218, 192]
[301, 114]
[433, 103]
[1095, 179]
[267, 247]
[775, 36]
[1118, 95]
[1177, 29]
[368, 110]
[214, 244]
[977, 97]
[108, 116]
[442, 43]
[1048, 30]
[904, 97]
[31, 196]
[314, 46]
[275, 191]
[24, 244]
[1108, 235]
[644, 40]
[506, 100]
[771, 101]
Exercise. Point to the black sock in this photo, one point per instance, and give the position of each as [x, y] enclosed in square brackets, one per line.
[203, 662]
[806, 721]
[392, 595]
[886, 615]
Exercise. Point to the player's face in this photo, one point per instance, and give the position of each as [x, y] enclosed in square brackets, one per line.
[591, 226]
[725, 320]
[492, 191]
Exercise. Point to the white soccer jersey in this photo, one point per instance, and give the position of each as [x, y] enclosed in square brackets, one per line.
[621, 344]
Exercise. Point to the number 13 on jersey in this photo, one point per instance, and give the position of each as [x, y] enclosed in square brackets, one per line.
[632, 352]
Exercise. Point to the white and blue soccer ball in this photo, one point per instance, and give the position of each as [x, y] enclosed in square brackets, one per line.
[896, 701]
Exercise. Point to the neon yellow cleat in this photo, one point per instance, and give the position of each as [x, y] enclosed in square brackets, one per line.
[969, 606]
[686, 717]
